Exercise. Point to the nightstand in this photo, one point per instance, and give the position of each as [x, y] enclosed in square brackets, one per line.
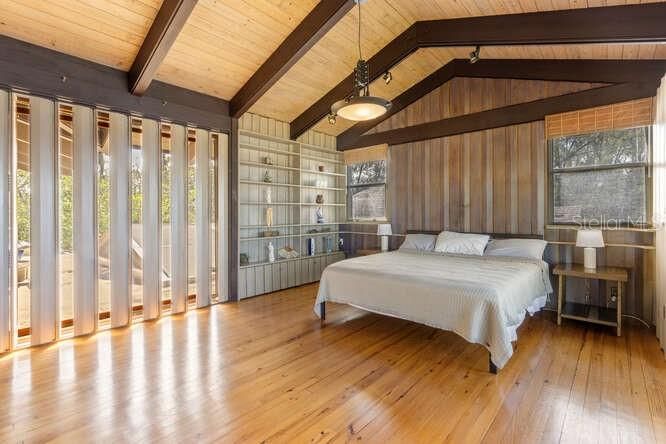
[581, 312]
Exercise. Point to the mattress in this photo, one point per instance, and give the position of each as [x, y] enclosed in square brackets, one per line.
[481, 298]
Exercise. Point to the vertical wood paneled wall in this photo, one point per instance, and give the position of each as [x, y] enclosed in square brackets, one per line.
[485, 181]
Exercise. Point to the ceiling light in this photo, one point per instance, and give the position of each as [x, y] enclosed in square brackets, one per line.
[360, 105]
[475, 55]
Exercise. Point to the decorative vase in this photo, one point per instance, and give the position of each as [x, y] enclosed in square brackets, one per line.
[321, 168]
[320, 199]
[267, 177]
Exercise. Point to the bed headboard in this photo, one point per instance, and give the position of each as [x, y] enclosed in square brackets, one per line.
[492, 235]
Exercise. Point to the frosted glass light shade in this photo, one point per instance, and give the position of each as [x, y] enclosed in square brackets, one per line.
[384, 230]
[362, 108]
[590, 239]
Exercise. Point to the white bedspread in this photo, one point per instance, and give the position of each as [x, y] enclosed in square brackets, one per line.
[483, 299]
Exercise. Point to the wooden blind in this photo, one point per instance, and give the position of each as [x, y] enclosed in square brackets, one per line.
[377, 152]
[620, 115]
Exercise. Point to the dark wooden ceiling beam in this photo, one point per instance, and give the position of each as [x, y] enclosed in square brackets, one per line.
[313, 27]
[612, 24]
[593, 71]
[168, 23]
[508, 115]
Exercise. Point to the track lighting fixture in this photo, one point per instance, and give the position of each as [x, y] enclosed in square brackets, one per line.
[475, 55]
[387, 77]
[331, 119]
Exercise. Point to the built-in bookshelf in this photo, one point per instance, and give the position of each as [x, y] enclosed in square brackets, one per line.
[302, 188]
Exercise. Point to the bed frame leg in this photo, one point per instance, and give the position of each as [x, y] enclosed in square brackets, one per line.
[322, 310]
[492, 368]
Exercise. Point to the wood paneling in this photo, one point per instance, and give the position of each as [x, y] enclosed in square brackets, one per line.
[263, 370]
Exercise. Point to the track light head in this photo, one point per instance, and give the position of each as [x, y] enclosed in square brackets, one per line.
[387, 77]
[331, 119]
[475, 55]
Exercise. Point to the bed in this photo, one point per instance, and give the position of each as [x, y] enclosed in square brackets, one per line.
[483, 299]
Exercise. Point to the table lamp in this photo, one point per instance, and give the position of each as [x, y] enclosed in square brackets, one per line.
[589, 240]
[384, 230]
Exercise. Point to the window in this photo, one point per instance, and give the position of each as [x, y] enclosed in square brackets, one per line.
[366, 190]
[600, 178]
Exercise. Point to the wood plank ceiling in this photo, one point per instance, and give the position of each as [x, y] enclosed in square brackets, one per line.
[225, 41]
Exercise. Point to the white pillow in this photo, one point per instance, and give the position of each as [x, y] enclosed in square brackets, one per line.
[461, 243]
[419, 242]
[531, 248]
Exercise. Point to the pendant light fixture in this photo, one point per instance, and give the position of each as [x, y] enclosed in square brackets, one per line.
[360, 105]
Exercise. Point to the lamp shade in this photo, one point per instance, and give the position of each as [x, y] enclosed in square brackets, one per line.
[590, 239]
[384, 230]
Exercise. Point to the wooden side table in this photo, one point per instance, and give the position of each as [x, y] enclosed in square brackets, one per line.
[597, 315]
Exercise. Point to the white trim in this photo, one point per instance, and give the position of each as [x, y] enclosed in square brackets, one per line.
[119, 229]
[202, 222]
[84, 235]
[5, 162]
[178, 219]
[150, 218]
[222, 217]
[43, 212]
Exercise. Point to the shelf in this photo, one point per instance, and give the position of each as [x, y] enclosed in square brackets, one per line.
[270, 184]
[324, 173]
[314, 204]
[590, 313]
[322, 159]
[273, 203]
[321, 149]
[263, 165]
[266, 137]
[310, 187]
[249, 227]
[323, 233]
[248, 146]
[299, 258]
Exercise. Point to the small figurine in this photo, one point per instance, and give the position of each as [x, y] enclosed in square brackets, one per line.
[320, 199]
[271, 252]
[320, 215]
[269, 217]
[268, 197]
[267, 177]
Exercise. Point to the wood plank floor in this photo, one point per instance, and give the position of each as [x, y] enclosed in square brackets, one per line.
[264, 370]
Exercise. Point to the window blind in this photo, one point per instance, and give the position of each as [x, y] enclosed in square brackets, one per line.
[377, 152]
[617, 116]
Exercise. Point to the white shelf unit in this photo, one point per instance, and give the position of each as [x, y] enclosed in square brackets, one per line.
[298, 173]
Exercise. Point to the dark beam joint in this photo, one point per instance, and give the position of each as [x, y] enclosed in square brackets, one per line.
[612, 24]
[168, 23]
[508, 115]
[313, 27]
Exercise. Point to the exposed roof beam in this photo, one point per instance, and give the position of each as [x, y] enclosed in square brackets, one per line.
[168, 23]
[313, 27]
[612, 24]
[44, 72]
[509, 115]
[601, 71]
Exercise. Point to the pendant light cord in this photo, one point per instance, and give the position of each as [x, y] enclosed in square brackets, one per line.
[360, 56]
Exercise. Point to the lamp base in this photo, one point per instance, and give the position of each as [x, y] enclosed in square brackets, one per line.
[384, 243]
[590, 258]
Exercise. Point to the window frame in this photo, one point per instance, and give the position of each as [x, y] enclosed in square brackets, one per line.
[647, 165]
[349, 187]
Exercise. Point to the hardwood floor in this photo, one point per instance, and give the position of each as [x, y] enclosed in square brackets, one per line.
[264, 370]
